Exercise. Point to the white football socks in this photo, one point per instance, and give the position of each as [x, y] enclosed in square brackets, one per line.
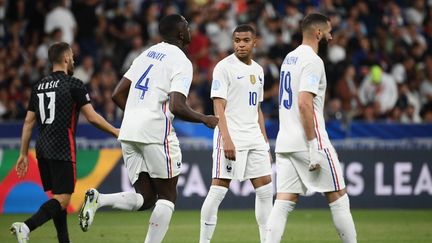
[130, 201]
[263, 207]
[342, 219]
[209, 212]
[159, 221]
[277, 220]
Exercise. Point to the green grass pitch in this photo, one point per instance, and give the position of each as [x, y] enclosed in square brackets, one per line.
[237, 226]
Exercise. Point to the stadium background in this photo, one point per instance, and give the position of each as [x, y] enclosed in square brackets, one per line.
[386, 152]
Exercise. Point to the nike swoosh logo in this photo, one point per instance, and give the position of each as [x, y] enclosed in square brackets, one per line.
[209, 224]
[240, 77]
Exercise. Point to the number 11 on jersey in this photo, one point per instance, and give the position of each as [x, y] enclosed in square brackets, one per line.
[144, 87]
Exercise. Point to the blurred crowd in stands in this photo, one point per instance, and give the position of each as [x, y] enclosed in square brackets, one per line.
[379, 63]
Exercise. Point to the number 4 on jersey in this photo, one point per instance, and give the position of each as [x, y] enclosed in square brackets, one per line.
[144, 87]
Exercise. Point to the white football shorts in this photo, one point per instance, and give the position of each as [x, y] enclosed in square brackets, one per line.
[158, 160]
[293, 175]
[249, 164]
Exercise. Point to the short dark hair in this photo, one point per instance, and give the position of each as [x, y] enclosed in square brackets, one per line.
[245, 28]
[168, 26]
[56, 51]
[313, 19]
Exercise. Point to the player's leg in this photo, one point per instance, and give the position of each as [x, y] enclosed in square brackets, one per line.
[130, 201]
[145, 186]
[222, 173]
[160, 218]
[341, 215]
[210, 208]
[164, 166]
[57, 176]
[143, 198]
[263, 202]
[289, 186]
[258, 167]
[338, 199]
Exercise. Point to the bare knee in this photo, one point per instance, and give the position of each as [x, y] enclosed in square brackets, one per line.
[149, 201]
[221, 182]
[333, 196]
[170, 196]
[63, 199]
[261, 181]
[288, 197]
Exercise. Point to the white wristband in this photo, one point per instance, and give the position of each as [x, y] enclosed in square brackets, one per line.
[313, 144]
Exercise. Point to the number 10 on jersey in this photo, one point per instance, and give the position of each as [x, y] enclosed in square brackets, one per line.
[285, 87]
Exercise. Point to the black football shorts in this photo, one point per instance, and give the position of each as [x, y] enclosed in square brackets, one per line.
[57, 176]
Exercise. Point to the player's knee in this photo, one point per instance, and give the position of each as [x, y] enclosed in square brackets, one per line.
[149, 202]
[63, 199]
[169, 196]
[288, 196]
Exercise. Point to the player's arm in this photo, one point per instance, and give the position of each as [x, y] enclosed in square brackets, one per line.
[121, 93]
[97, 120]
[181, 109]
[261, 123]
[22, 162]
[310, 80]
[228, 145]
[307, 114]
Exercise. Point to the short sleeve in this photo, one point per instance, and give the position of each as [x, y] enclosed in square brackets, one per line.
[220, 82]
[33, 101]
[79, 93]
[182, 78]
[132, 72]
[261, 80]
[311, 76]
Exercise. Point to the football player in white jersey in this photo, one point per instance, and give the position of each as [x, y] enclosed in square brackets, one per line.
[240, 144]
[305, 158]
[151, 92]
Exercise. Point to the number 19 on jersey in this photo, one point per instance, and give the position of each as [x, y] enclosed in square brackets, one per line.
[285, 87]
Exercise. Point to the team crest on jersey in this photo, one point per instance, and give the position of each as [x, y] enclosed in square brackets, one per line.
[252, 79]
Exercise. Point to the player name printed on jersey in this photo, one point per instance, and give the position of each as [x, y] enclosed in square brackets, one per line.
[290, 61]
[302, 71]
[155, 73]
[156, 55]
[48, 85]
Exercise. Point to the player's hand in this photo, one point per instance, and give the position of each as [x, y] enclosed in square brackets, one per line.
[211, 121]
[270, 153]
[316, 156]
[229, 149]
[271, 157]
[117, 132]
[22, 166]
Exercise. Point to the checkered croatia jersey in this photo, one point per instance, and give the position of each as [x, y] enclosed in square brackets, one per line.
[56, 100]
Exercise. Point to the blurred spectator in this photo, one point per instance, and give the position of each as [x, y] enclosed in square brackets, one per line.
[347, 91]
[426, 113]
[401, 71]
[379, 88]
[107, 35]
[61, 17]
[87, 20]
[199, 48]
[137, 48]
[85, 71]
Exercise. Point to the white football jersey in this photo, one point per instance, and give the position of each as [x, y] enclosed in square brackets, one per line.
[242, 86]
[301, 70]
[155, 73]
